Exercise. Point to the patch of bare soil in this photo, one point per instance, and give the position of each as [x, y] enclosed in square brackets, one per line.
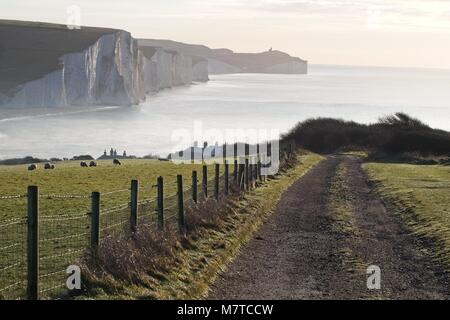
[300, 254]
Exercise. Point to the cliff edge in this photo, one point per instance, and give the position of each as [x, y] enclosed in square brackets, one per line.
[222, 61]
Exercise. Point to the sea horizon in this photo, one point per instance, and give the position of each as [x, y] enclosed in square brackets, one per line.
[278, 102]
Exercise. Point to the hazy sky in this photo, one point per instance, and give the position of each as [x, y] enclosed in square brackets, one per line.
[355, 32]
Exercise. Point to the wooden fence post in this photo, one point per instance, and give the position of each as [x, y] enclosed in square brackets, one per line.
[226, 175]
[250, 174]
[194, 186]
[246, 175]
[205, 182]
[160, 195]
[263, 161]
[181, 221]
[258, 163]
[216, 181]
[235, 172]
[134, 205]
[258, 173]
[224, 152]
[255, 171]
[33, 243]
[95, 221]
[241, 176]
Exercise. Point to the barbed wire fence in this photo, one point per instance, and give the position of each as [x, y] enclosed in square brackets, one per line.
[64, 237]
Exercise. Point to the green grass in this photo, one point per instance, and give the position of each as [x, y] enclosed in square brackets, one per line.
[64, 222]
[340, 204]
[421, 196]
[360, 154]
[70, 179]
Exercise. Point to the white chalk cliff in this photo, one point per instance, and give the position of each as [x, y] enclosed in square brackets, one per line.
[112, 71]
[58, 67]
[107, 73]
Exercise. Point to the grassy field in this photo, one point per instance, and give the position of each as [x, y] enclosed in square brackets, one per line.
[70, 179]
[421, 195]
[64, 207]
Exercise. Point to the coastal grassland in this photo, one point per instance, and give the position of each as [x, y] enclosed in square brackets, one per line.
[198, 259]
[68, 178]
[421, 196]
[65, 221]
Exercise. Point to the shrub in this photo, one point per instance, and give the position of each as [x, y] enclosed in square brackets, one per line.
[391, 134]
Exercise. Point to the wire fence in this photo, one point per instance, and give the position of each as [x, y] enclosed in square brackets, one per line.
[13, 257]
[65, 237]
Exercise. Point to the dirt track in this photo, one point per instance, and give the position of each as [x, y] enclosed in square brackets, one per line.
[299, 254]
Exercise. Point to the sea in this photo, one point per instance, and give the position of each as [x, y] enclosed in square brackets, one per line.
[242, 107]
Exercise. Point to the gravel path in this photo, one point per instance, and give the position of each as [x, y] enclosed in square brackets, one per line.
[297, 254]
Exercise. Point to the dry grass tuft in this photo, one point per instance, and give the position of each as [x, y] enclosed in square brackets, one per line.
[132, 258]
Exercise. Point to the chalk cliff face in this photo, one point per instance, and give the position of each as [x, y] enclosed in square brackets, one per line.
[109, 72]
[175, 67]
[200, 70]
[110, 69]
[167, 68]
[219, 67]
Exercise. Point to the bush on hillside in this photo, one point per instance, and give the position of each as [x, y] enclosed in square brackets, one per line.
[391, 134]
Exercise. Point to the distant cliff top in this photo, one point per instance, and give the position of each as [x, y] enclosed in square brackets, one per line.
[235, 62]
[30, 50]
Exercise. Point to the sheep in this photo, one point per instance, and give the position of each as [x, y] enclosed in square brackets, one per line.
[92, 164]
[116, 161]
[83, 164]
[32, 167]
[49, 166]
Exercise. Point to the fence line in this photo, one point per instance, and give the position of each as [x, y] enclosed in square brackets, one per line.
[114, 209]
[18, 196]
[13, 221]
[42, 268]
[63, 196]
[114, 192]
